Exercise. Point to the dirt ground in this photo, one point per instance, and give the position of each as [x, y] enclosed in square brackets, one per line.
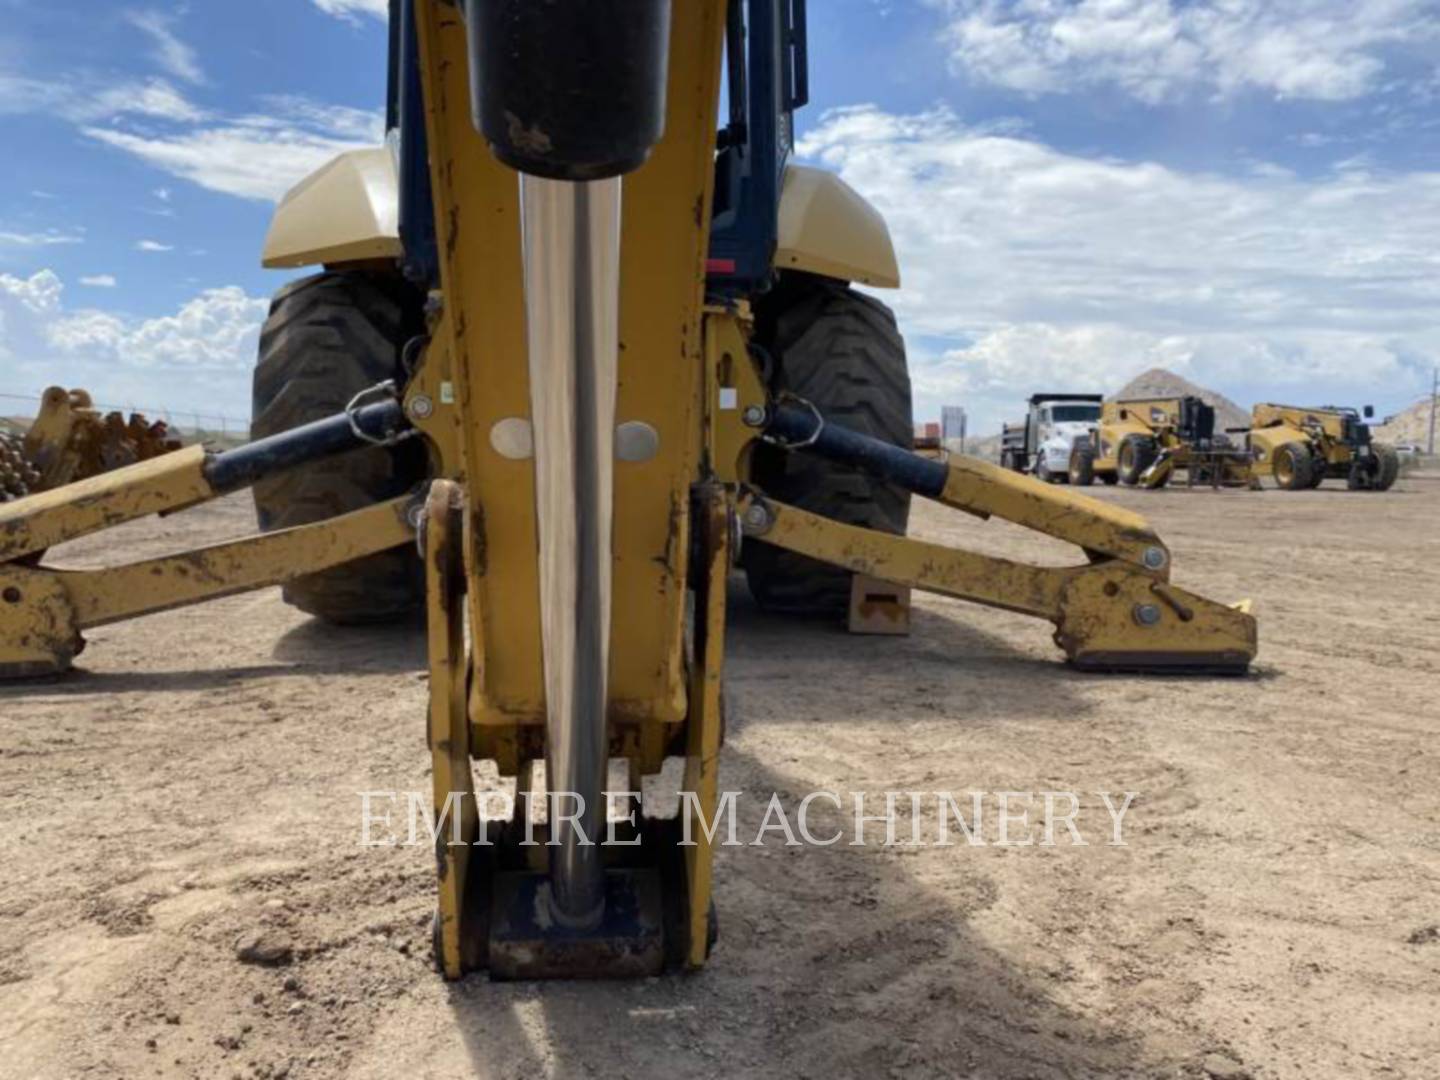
[1275, 913]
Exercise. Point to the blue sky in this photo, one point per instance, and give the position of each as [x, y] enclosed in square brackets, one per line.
[1246, 191]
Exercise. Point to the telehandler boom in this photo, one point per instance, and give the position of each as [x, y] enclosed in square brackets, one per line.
[633, 371]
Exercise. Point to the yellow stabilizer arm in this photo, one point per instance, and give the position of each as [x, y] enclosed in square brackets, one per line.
[1115, 612]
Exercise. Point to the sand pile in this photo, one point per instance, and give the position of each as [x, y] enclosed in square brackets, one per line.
[1410, 426]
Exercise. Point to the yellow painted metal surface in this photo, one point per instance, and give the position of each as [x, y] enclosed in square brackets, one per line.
[733, 385]
[665, 237]
[1100, 624]
[433, 406]
[827, 227]
[43, 610]
[346, 211]
[702, 749]
[988, 490]
[149, 487]
[984, 579]
[449, 729]
[255, 562]
[483, 330]
[38, 634]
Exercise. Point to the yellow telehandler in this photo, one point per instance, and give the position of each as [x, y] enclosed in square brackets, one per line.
[1300, 448]
[585, 353]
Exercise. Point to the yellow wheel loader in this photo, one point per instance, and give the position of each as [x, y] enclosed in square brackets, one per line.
[586, 354]
[1144, 442]
[1301, 448]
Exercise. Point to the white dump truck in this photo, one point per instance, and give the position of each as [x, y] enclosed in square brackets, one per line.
[1041, 443]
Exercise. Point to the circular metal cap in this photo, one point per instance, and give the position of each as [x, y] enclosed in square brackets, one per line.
[1147, 614]
[636, 440]
[513, 438]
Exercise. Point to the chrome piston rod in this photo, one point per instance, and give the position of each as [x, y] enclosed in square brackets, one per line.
[571, 237]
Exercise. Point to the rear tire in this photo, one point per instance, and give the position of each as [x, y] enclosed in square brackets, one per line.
[841, 351]
[1294, 467]
[1389, 459]
[329, 337]
[1376, 473]
[1082, 463]
[1137, 453]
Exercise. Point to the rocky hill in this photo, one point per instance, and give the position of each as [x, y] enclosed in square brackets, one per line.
[1410, 426]
[1159, 383]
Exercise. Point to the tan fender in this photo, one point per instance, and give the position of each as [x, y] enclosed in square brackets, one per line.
[346, 211]
[827, 228]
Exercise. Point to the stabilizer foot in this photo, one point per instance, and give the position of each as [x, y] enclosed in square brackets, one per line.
[527, 943]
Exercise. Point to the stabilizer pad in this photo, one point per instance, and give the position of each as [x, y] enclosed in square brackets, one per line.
[527, 943]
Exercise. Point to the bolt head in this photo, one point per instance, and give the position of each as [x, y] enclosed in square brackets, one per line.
[757, 517]
[754, 415]
[421, 407]
[1147, 614]
[1155, 558]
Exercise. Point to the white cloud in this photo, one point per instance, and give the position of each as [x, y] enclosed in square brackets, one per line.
[366, 126]
[174, 55]
[155, 97]
[1027, 268]
[83, 99]
[153, 246]
[199, 357]
[1328, 50]
[22, 94]
[257, 156]
[260, 155]
[39, 293]
[99, 281]
[47, 238]
[347, 9]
